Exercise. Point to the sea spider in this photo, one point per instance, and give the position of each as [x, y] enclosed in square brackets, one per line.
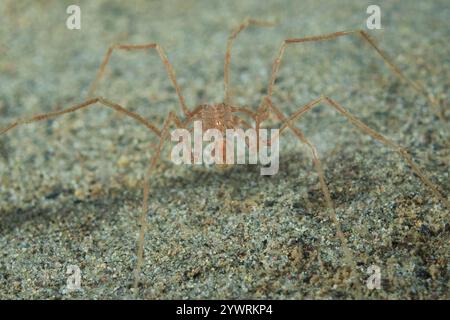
[227, 115]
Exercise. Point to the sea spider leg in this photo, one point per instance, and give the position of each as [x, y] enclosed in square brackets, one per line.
[247, 22]
[366, 130]
[146, 189]
[88, 103]
[244, 110]
[318, 166]
[419, 87]
[130, 47]
[287, 123]
[162, 134]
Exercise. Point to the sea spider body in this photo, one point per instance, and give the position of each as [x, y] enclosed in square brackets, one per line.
[218, 116]
[223, 116]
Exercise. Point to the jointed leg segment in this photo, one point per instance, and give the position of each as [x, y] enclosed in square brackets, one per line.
[267, 105]
[366, 130]
[88, 103]
[318, 166]
[417, 86]
[162, 134]
[172, 118]
[130, 47]
[247, 22]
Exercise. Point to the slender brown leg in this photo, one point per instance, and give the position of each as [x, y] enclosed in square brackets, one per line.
[247, 22]
[146, 189]
[366, 130]
[88, 103]
[163, 137]
[287, 123]
[365, 36]
[318, 166]
[246, 111]
[129, 47]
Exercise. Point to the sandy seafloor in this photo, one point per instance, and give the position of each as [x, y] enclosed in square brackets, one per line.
[70, 189]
